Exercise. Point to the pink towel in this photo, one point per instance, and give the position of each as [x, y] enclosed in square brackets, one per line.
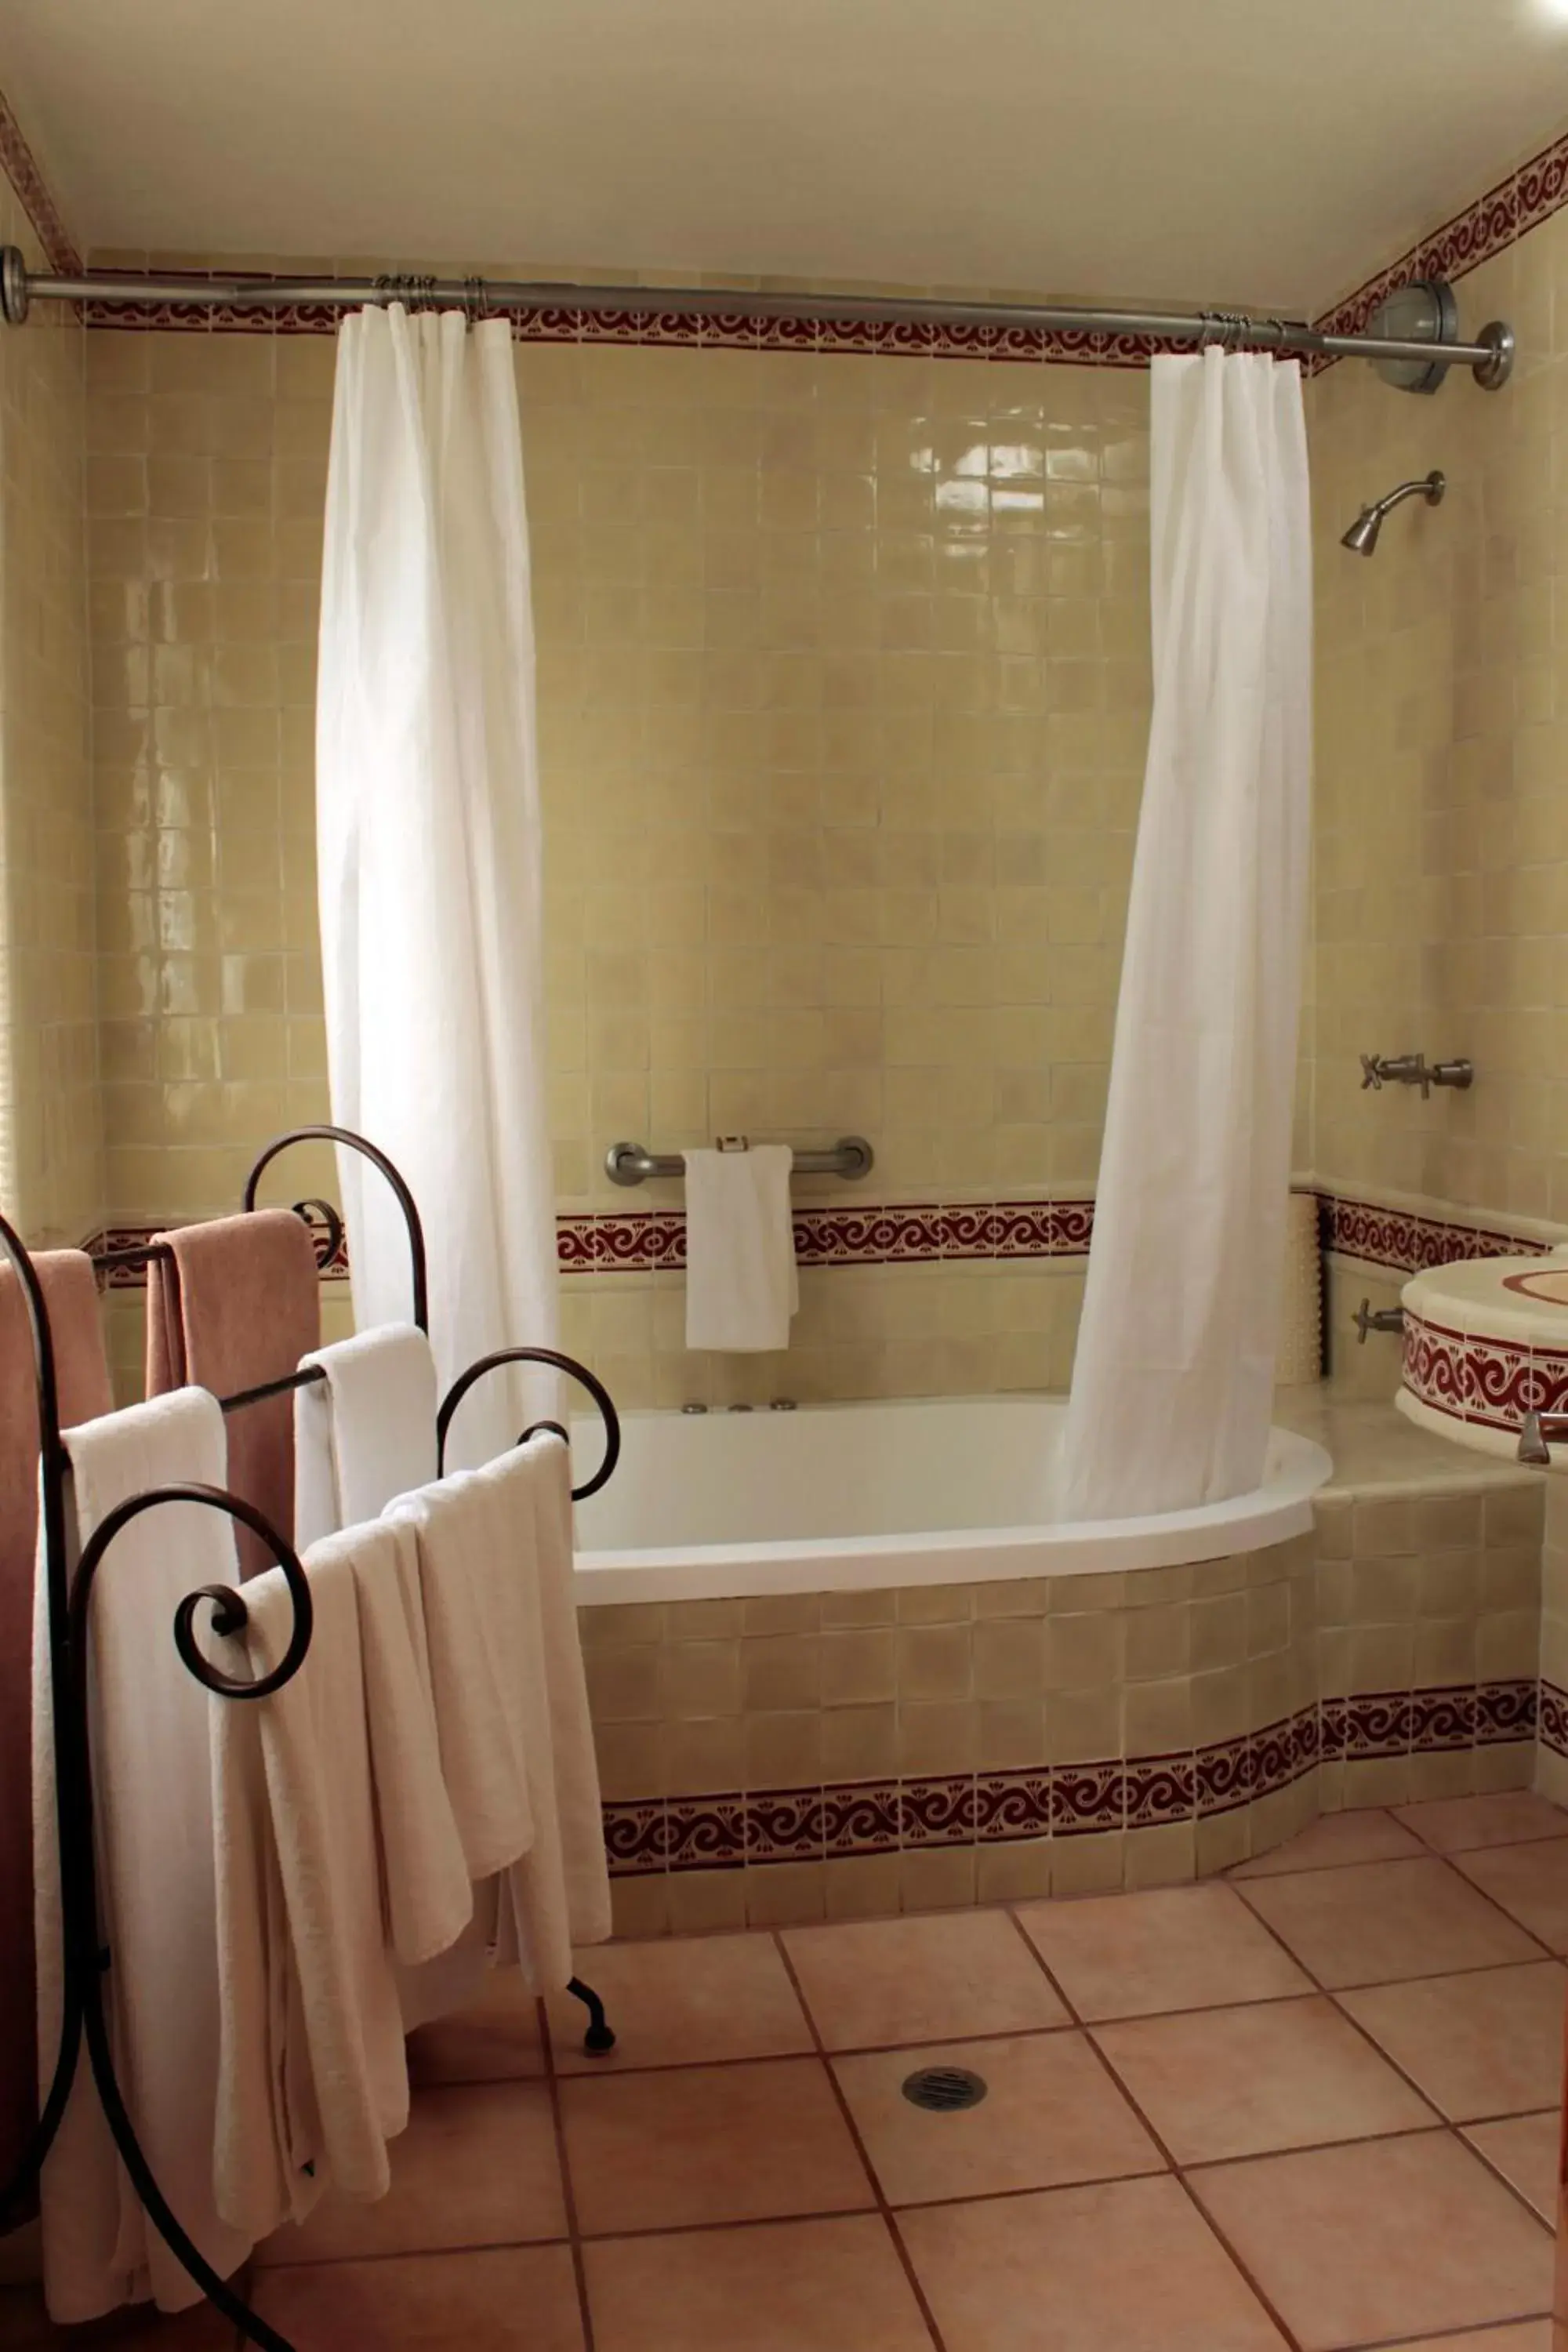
[238, 1305]
[81, 1372]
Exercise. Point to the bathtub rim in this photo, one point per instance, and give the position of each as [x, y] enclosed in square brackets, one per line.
[1272, 1514]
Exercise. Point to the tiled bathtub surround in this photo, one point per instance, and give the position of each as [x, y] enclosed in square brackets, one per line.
[843, 1754]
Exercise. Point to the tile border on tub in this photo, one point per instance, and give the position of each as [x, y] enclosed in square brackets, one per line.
[925, 1812]
[1478, 1380]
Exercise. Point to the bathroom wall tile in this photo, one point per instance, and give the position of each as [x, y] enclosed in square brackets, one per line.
[796, 830]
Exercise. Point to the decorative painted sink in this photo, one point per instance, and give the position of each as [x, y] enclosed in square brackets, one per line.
[1486, 1343]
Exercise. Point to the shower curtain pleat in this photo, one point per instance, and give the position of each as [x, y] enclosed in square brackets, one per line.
[429, 841]
[1172, 1382]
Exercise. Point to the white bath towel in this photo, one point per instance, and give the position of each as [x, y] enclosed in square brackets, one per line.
[366, 1431]
[467, 1570]
[558, 1894]
[156, 1892]
[741, 1282]
[339, 2082]
[426, 1892]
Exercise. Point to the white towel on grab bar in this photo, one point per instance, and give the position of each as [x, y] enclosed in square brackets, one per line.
[741, 1282]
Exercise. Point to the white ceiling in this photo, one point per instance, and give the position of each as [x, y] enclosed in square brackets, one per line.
[1260, 153]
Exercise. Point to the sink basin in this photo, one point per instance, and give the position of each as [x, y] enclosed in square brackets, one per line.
[1486, 1343]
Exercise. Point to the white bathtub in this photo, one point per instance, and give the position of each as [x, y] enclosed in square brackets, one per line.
[834, 1497]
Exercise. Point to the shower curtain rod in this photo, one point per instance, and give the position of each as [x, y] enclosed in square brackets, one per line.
[1490, 358]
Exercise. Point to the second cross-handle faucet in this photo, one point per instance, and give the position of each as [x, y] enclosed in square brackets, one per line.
[1413, 1070]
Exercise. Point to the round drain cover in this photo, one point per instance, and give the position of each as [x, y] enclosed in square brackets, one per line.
[944, 2089]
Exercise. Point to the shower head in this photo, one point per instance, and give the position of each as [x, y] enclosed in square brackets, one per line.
[1362, 536]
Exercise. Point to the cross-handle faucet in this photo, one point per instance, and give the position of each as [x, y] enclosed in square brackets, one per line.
[1413, 1070]
[1537, 1436]
[1368, 1318]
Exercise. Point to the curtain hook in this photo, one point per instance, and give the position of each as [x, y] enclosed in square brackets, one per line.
[474, 300]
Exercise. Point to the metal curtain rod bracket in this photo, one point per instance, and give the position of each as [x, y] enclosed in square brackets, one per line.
[629, 1163]
[1489, 357]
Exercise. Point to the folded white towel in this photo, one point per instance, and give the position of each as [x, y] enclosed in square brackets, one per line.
[741, 1282]
[153, 1824]
[558, 1894]
[427, 1892]
[366, 1431]
[335, 2083]
[466, 1572]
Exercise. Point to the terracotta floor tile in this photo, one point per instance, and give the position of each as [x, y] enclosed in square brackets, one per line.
[1524, 2149]
[745, 2143]
[506, 2299]
[496, 2040]
[800, 2286]
[1126, 2268]
[476, 2167]
[1488, 2044]
[1352, 2245]
[1456, 1825]
[870, 1982]
[1052, 2115]
[1530, 1882]
[1529, 2336]
[25, 2326]
[682, 2002]
[1176, 1947]
[1369, 1836]
[1222, 2083]
[1386, 1920]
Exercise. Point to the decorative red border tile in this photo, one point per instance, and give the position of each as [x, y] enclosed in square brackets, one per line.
[1486, 226]
[721, 1832]
[1011, 1805]
[20, 167]
[1493, 1381]
[1410, 1243]
[1551, 1720]
[860, 1817]
[331, 1251]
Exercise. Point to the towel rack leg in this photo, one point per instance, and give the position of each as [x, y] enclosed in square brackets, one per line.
[600, 2038]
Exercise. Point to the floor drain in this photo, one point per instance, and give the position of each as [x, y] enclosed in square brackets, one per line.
[944, 2089]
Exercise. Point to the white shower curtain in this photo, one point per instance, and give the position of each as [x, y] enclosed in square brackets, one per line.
[1172, 1382]
[428, 842]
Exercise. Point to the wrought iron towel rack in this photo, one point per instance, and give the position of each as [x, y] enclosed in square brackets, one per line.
[85, 1960]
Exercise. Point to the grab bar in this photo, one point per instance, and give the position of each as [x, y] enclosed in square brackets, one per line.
[628, 1163]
